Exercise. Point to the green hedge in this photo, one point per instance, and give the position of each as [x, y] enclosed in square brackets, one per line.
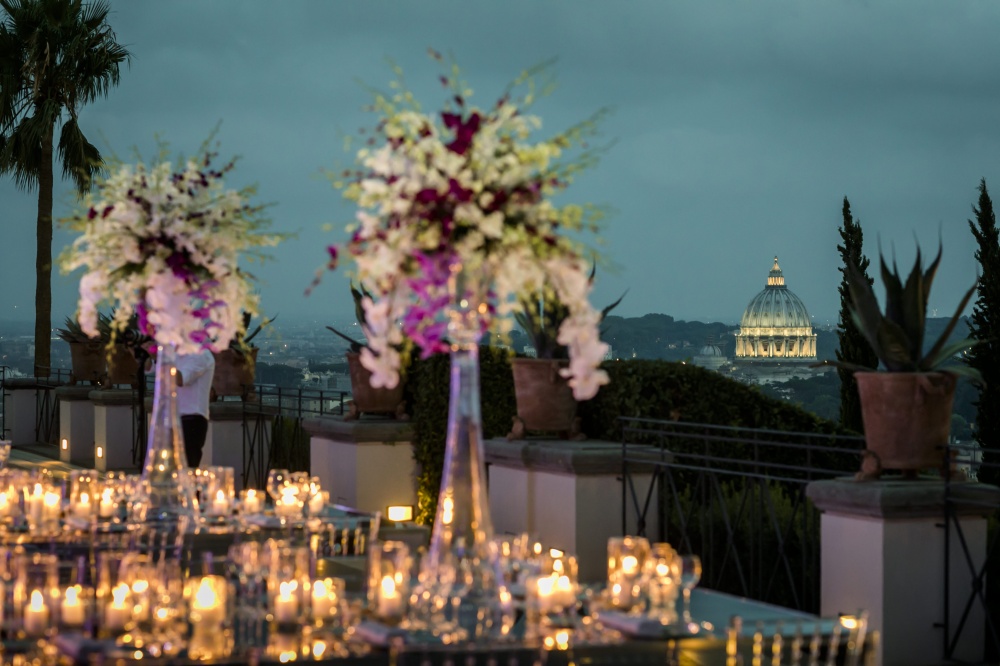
[639, 388]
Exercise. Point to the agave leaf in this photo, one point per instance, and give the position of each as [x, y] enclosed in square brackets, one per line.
[605, 311]
[913, 308]
[895, 347]
[946, 354]
[966, 371]
[893, 292]
[930, 273]
[936, 351]
[355, 345]
[864, 307]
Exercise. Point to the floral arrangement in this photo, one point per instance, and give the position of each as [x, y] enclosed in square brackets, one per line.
[468, 187]
[163, 243]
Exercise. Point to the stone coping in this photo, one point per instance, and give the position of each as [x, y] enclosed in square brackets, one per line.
[113, 397]
[900, 498]
[581, 458]
[365, 429]
[74, 393]
[226, 411]
[32, 383]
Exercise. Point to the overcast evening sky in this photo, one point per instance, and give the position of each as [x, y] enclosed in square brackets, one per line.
[738, 128]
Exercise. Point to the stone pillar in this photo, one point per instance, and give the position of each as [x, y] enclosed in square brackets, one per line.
[567, 495]
[76, 425]
[365, 464]
[883, 550]
[19, 411]
[113, 429]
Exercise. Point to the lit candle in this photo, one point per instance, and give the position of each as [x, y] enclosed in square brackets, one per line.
[322, 600]
[118, 613]
[220, 504]
[630, 565]
[251, 501]
[4, 504]
[52, 505]
[286, 605]
[72, 607]
[317, 502]
[563, 592]
[390, 602]
[83, 507]
[545, 593]
[106, 508]
[208, 603]
[36, 615]
[288, 504]
[35, 504]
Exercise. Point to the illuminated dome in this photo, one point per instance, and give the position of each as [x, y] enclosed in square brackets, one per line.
[710, 356]
[776, 325]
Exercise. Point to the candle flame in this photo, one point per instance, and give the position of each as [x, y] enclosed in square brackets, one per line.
[206, 597]
[118, 594]
[72, 595]
[37, 602]
[629, 564]
[388, 586]
[319, 589]
[286, 589]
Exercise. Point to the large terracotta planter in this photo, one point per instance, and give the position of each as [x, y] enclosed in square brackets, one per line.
[369, 400]
[907, 418]
[545, 402]
[122, 366]
[234, 374]
[90, 362]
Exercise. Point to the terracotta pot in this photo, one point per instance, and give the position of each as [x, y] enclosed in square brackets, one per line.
[90, 362]
[234, 372]
[368, 400]
[545, 401]
[907, 417]
[122, 366]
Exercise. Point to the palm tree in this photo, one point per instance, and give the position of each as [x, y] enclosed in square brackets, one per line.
[55, 56]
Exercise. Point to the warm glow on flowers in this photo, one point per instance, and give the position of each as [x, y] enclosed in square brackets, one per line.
[468, 187]
[164, 242]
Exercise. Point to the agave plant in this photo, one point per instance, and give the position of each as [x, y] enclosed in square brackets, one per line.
[242, 343]
[72, 332]
[897, 335]
[541, 320]
[358, 293]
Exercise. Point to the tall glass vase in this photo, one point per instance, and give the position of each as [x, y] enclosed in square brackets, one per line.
[462, 566]
[166, 499]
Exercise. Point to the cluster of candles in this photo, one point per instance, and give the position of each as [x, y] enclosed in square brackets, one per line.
[37, 501]
[647, 578]
[143, 600]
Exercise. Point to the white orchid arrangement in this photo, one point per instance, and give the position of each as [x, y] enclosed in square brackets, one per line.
[164, 242]
[468, 187]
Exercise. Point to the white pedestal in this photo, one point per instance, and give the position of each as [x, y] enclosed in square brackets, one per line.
[565, 494]
[224, 443]
[365, 464]
[883, 550]
[113, 429]
[19, 411]
[76, 425]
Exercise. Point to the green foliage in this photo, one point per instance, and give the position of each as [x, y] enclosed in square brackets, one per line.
[702, 517]
[984, 327]
[55, 56]
[71, 332]
[897, 333]
[853, 348]
[427, 393]
[653, 389]
[289, 445]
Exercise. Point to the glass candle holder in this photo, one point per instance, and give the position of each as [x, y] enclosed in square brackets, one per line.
[251, 501]
[36, 594]
[389, 576]
[42, 505]
[326, 597]
[218, 500]
[662, 582]
[84, 489]
[113, 592]
[11, 508]
[627, 557]
[289, 504]
[288, 582]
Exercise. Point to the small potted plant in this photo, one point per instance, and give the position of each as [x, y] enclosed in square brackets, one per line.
[236, 367]
[367, 399]
[545, 401]
[906, 407]
[90, 363]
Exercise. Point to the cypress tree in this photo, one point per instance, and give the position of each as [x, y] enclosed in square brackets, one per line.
[853, 346]
[985, 327]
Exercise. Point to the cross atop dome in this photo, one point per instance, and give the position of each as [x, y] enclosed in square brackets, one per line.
[775, 278]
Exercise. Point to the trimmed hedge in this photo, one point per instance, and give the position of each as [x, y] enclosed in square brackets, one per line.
[638, 388]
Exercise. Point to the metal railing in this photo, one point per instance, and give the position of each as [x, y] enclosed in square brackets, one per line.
[272, 427]
[974, 582]
[735, 496]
